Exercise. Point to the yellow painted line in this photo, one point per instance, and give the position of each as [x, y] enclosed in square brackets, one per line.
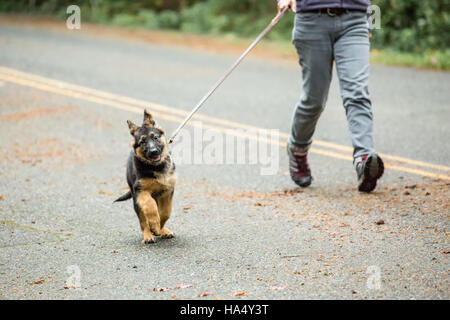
[108, 95]
[83, 96]
[183, 113]
[161, 115]
[127, 107]
[417, 172]
[385, 156]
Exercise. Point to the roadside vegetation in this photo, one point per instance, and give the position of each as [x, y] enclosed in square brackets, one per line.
[413, 32]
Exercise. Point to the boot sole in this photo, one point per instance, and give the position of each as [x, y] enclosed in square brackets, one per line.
[373, 170]
[304, 184]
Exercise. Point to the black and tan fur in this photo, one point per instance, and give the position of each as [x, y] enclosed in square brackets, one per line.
[151, 178]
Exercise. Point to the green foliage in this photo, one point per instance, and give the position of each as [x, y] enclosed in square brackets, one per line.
[168, 19]
[241, 17]
[197, 18]
[414, 27]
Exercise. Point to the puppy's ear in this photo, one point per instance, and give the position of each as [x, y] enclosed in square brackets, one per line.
[148, 119]
[160, 129]
[133, 128]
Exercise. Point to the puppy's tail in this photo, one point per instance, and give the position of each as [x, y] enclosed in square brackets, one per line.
[126, 196]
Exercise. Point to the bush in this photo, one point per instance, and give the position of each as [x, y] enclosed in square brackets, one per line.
[169, 20]
[147, 19]
[414, 26]
[124, 19]
[197, 19]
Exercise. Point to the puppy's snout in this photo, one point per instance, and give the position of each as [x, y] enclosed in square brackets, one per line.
[153, 152]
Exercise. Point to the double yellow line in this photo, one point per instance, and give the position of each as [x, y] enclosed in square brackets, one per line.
[324, 148]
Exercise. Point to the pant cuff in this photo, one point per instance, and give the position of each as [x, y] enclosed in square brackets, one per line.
[298, 148]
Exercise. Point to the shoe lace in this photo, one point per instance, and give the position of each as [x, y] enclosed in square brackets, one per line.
[360, 163]
[301, 162]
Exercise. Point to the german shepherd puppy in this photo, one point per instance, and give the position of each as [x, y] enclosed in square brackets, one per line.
[151, 178]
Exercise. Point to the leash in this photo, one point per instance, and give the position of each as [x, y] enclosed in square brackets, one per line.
[229, 71]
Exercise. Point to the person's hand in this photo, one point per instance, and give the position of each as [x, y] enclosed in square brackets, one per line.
[283, 4]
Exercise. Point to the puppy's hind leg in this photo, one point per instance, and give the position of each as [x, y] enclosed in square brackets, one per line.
[147, 210]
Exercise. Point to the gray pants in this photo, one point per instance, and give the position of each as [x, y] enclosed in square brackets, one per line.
[320, 39]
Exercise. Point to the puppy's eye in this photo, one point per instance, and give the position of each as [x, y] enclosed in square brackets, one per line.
[142, 140]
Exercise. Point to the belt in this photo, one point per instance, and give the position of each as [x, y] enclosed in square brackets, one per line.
[332, 12]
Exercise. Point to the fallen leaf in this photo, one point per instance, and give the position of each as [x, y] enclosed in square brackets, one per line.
[204, 294]
[238, 294]
[277, 288]
[445, 251]
[161, 289]
[70, 287]
[180, 286]
[37, 282]
[1, 197]
[380, 222]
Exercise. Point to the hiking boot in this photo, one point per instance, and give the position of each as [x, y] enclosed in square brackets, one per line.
[298, 167]
[369, 169]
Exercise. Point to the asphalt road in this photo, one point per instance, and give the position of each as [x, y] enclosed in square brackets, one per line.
[239, 234]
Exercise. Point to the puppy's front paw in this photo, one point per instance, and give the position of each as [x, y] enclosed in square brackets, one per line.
[148, 240]
[166, 234]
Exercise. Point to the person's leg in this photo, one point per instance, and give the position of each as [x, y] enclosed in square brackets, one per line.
[311, 38]
[351, 53]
